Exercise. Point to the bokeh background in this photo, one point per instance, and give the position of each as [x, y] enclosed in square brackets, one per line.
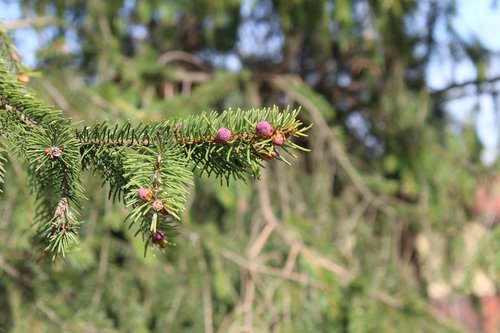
[389, 224]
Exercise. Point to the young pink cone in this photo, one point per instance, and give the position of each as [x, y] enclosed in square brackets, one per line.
[157, 205]
[264, 129]
[145, 194]
[279, 138]
[223, 135]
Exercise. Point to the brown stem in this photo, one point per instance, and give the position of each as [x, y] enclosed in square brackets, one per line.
[27, 120]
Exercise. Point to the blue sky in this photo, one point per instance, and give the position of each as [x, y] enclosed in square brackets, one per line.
[475, 19]
[478, 19]
[481, 18]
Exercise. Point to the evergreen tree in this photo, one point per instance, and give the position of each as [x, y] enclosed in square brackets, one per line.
[359, 235]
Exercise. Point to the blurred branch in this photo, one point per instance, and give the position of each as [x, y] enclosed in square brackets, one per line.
[104, 104]
[382, 202]
[296, 277]
[194, 77]
[174, 306]
[33, 22]
[268, 215]
[249, 297]
[56, 95]
[272, 224]
[11, 271]
[205, 287]
[178, 55]
[476, 82]
[352, 221]
[101, 272]
[337, 150]
[50, 314]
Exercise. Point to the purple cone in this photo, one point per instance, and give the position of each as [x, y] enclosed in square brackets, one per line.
[264, 129]
[157, 236]
[223, 135]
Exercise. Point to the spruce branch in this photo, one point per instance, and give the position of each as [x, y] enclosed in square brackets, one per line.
[53, 155]
[241, 155]
[160, 171]
[148, 166]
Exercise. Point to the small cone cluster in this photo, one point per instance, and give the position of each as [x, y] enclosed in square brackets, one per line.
[263, 130]
[146, 195]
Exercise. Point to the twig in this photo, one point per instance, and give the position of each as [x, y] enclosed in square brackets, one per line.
[56, 95]
[35, 22]
[50, 314]
[102, 103]
[10, 270]
[476, 82]
[292, 258]
[193, 77]
[101, 271]
[261, 240]
[249, 298]
[386, 299]
[187, 57]
[12, 108]
[353, 220]
[174, 307]
[267, 212]
[272, 224]
[205, 287]
[284, 192]
[296, 277]
[325, 263]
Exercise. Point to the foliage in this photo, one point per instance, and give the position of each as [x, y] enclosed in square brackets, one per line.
[356, 236]
[153, 156]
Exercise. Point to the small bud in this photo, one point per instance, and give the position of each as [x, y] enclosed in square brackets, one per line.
[23, 78]
[223, 135]
[54, 152]
[264, 129]
[145, 194]
[157, 236]
[157, 205]
[159, 239]
[279, 138]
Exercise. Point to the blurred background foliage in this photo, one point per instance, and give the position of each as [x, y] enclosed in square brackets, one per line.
[374, 230]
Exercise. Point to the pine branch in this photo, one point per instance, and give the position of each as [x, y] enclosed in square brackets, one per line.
[148, 166]
[197, 136]
[55, 169]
